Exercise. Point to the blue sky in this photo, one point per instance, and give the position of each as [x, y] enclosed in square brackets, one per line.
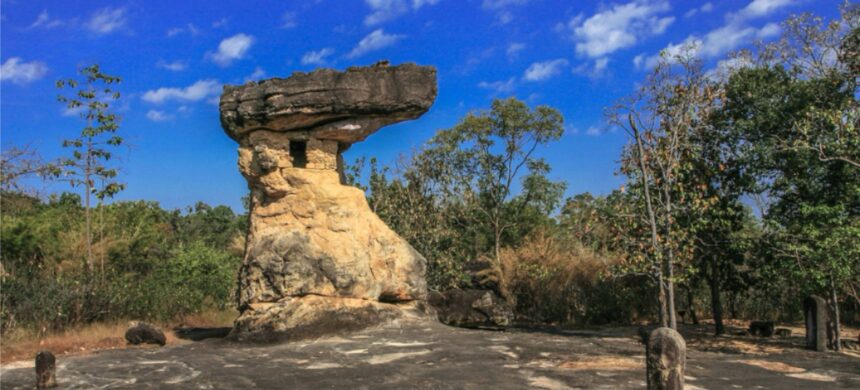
[174, 56]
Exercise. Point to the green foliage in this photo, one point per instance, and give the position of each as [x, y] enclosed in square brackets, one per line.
[159, 264]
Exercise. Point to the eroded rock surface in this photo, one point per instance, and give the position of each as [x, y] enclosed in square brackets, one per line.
[316, 254]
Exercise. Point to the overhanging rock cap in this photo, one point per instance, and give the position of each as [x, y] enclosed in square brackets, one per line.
[328, 104]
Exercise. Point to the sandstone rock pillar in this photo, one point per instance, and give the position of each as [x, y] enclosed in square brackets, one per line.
[317, 259]
[816, 316]
[666, 359]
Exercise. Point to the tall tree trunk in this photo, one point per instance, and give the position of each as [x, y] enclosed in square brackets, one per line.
[836, 327]
[88, 185]
[661, 295]
[716, 305]
[670, 287]
[691, 307]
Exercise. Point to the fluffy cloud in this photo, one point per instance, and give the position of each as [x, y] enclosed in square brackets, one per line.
[705, 8]
[158, 116]
[540, 71]
[195, 92]
[20, 72]
[514, 49]
[715, 43]
[45, 21]
[106, 20]
[500, 7]
[376, 40]
[258, 74]
[231, 49]
[619, 27]
[190, 28]
[175, 66]
[288, 20]
[499, 86]
[385, 10]
[759, 8]
[317, 57]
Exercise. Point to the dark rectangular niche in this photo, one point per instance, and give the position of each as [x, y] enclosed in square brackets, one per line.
[299, 153]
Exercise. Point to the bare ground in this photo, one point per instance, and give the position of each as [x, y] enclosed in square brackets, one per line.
[430, 355]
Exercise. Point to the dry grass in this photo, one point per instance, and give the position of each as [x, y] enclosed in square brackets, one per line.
[604, 363]
[772, 366]
[735, 346]
[24, 345]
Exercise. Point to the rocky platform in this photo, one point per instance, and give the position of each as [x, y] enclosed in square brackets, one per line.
[427, 355]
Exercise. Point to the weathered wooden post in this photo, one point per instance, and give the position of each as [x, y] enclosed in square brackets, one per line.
[815, 313]
[46, 366]
[666, 359]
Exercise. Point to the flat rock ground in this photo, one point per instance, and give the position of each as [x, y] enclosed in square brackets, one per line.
[433, 356]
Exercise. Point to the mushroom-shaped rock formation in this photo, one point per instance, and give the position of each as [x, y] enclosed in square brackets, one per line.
[317, 259]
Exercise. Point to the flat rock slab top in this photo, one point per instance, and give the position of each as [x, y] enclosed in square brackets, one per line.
[345, 106]
[430, 355]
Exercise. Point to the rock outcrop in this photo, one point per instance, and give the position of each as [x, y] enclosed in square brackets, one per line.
[317, 259]
[472, 309]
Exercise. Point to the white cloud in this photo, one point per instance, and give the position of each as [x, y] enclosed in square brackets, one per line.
[157, 116]
[317, 57]
[288, 20]
[190, 28]
[499, 86]
[540, 71]
[593, 131]
[496, 4]
[45, 21]
[195, 92]
[619, 27]
[376, 40]
[500, 7]
[107, 20]
[19, 72]
[231, 49]
[385, 10]
[705, 8]
[220, 23]
[514, 49]
[600, 64]
[175, 66]
[758, 8]
[715, 43]
[258, 73]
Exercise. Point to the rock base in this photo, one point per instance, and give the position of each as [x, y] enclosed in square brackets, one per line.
[313, 316]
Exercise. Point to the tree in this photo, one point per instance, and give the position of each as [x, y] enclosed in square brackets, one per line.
[674, 103]
[18, 163]
[792, 117]
[92, 97]
[476, 164]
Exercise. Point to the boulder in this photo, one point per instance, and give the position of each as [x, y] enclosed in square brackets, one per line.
[144, 333]
[761, 328]
[316, 253]
[665, 360]
[471, 308]
[46, 370]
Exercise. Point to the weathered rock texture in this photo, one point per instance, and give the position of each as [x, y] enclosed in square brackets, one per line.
[317, 259]
[472, 308]
[46, 370]
[816, 316]
[665, 360]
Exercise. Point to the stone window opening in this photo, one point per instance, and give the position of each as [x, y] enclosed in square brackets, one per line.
[299, 153]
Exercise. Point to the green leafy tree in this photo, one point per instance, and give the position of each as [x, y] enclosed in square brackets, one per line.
[93, 98]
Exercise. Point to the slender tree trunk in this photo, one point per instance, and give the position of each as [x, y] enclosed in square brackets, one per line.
[670, 287]
[87, 189]
[836, 328]
[691, 306]
[661, 295]
[716, 305]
